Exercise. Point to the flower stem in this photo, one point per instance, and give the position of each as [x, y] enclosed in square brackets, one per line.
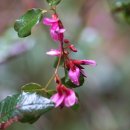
[56, 70]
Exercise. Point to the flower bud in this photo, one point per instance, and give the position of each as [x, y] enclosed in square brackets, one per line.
[72, 48]
[66, 41]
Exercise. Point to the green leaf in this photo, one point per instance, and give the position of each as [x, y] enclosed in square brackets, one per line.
[67, 82]
[121, 10]
[50, 93]
[53, 2]
[31, 87]
[24, 107]
[127, 12]
[25, 23]
[75, 107]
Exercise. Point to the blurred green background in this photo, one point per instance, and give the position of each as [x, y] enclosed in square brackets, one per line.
[98, 35]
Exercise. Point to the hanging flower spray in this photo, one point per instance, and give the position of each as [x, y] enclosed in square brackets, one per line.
[30, 104]
[65, 95]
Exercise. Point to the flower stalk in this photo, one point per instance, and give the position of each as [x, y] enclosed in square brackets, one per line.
[73, 69]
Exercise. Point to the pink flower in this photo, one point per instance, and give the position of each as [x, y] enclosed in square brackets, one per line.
[84, 62]
[54, 52]
[56, 27]
[88, 62]
[64, 97]
[74, 75]
[75, 69]
[50, 21]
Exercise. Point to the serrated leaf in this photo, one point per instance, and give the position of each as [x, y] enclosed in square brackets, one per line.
[25, 23]
[66, 81]
[53, 2]
[24, 107]
[31, 87]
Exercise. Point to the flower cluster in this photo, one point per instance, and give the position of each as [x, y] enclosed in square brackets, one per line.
[65, 95]
[56, 27]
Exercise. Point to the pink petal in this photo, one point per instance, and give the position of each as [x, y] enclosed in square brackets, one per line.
[53, 52]
[74, 75]
[62, 30]
[71, 99]
[57, 99]
[55, 27]
[88, 62]
[49, 21]
[54, 35]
